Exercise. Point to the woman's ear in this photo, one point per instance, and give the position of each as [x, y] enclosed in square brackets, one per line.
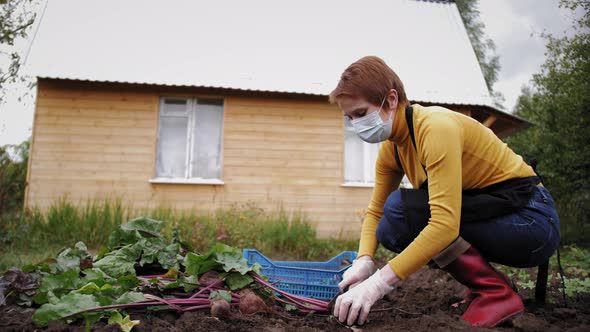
[392, 99]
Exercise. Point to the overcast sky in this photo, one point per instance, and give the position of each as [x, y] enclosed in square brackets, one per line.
[514, 25]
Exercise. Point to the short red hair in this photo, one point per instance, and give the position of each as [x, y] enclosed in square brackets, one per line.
[370, 78]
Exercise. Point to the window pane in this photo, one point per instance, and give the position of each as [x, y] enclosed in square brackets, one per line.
[371, 153]
[172, 139]
[353, 156]
[359, 157]
[174, 107]
[206, 144]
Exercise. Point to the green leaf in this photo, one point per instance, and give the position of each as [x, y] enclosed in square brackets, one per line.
[189, 283]
[68, 305]
[115, 318]
[103, 251]
[120, 237]
[198, 264]
[68, 263]
[89, 289]
[130, 297]
[168, 256]
[290, 308]
[69, 258]
[41, 298]
[79, 251]
[128, 282]
[94, 275]
[173, 285]
[143, 224]
[91, 318]
[220, 295]
[134, 231]
[116, 266]
[69, 280]
[120, 262]
[126, 323]
[235, 280]
[257, 268]
[28, 268]
[104, 300]
[151, 248]
[232, 260]
[156, 249]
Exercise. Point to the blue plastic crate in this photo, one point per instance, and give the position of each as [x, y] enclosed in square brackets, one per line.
[310, 279]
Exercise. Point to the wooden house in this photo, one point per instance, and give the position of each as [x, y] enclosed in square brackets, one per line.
[203, 105]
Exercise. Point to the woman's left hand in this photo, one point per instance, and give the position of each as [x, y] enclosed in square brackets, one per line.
[357, 302]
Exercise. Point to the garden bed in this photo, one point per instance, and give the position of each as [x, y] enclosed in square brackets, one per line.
[421, 303]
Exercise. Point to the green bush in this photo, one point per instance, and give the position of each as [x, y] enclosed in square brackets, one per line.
[13, 176]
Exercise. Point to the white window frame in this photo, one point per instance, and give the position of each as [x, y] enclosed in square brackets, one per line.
[192, 110]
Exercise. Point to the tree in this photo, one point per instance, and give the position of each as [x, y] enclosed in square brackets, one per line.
[13, 176]
[484, 47]
[558, 104]
[16, 17]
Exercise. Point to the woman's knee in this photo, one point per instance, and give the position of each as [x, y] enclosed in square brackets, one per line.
[393, 232]
[394, 207]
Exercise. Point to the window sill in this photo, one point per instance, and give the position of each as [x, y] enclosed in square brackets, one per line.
[357, 185]
[214, 182]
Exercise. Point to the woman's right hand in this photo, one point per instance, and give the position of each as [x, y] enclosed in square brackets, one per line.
[361, 269]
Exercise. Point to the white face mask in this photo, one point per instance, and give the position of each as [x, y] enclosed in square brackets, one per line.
[371, 128]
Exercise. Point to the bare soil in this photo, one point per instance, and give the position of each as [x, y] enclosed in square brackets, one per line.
[421, 303]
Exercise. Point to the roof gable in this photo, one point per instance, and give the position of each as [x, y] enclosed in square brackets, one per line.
[266, 45]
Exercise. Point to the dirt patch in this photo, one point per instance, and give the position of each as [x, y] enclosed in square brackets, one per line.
[421, 303]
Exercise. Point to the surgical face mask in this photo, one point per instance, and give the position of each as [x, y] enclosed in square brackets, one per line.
[371, 128]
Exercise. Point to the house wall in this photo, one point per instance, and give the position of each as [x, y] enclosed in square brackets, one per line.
[98, 140]
[91, 142]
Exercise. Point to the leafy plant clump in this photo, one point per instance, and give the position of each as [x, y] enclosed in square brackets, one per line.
[140, 270]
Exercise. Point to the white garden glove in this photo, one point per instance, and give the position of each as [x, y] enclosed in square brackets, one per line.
[357, 302]
[361, 269]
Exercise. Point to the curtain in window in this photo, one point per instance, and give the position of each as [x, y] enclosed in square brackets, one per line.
[359, 157]
[206, 147]
[172, 139]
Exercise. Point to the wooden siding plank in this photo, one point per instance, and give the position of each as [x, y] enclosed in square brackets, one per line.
[73, 130]
[96, 113]
[230, 153]
[65, 120]
[96, 139]
[93, 104]
[73, 146]
[281, 163]
[125, 96]
[90, 156]
[283, 146]
[76, 166]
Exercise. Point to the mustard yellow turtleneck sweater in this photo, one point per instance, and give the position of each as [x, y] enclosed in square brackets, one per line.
[458, 153]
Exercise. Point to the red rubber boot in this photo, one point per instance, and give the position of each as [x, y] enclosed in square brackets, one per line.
[493, 300]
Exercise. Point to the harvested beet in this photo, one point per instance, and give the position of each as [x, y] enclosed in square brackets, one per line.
[251, 303]
[220, 308]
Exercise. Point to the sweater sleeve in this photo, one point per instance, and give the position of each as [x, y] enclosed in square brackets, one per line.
[440, 146]
[388, 176]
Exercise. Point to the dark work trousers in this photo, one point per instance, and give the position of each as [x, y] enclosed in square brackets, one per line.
[525, 238]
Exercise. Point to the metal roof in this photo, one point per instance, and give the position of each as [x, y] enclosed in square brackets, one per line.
[265, 45]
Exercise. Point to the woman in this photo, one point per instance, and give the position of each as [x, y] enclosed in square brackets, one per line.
[477, 201]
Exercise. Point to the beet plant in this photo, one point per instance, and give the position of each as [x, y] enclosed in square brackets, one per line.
[140, 270]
